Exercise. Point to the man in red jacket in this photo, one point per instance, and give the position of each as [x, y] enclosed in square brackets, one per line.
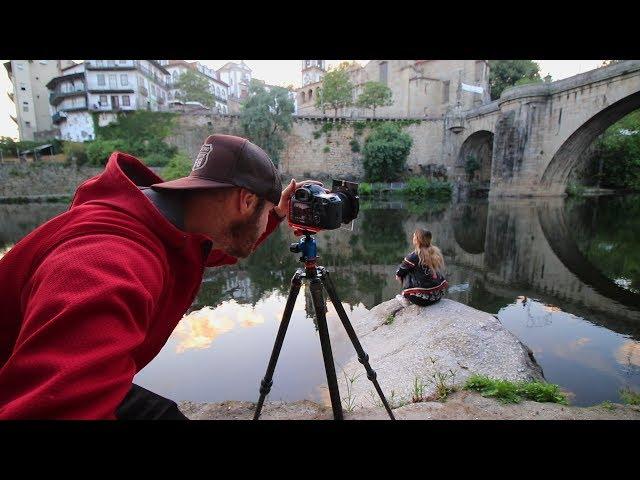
[91, 296]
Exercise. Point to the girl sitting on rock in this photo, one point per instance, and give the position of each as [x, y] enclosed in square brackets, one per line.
[421, 271]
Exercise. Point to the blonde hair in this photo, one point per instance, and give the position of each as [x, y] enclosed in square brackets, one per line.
[429, 255]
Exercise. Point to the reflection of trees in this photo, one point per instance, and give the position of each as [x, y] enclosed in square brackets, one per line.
[470, 226]
[270, 267]
[606, 232]
[382, 238]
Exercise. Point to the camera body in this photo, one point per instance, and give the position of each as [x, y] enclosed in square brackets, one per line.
[312, 209]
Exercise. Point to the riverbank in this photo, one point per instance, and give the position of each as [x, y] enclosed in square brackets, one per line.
[463, 405]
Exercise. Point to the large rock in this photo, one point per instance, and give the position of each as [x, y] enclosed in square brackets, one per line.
[442, 343]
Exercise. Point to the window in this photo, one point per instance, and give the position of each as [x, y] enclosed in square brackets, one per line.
[125, 101]
[101, 79]
[22, 87]
[100, 63]
[28, 124]
[43, 62]
[19, 65]
[25, 106]
[445, 92]
[124, 79]
[111, 63]
[113, 81]
[103, 100]
[383, 73]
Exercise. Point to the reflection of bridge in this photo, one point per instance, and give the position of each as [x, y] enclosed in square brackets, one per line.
[529, 250]
[534, 134]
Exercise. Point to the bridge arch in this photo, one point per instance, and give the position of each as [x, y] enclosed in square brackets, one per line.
[570, 152]
[478, 145]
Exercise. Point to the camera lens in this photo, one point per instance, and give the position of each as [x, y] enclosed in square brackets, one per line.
[350, 205]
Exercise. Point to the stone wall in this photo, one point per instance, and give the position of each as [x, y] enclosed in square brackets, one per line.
[328, 155]
[42, 178]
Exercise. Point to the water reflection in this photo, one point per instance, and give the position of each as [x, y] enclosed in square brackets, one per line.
[562, 275]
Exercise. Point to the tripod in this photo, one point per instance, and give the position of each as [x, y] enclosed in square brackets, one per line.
[318, 277]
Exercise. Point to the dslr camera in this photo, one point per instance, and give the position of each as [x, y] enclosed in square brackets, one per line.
[312, 209]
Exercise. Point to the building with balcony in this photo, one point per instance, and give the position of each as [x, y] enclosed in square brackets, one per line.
[30, 94]
[107, 87]
[217, 87]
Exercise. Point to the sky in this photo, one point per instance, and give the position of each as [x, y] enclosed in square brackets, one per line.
[283, 72]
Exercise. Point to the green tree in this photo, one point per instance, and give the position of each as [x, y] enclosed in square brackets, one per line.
[337, 90]
[264, 115]
[374, 95]
[193, 87]
[471, 165]
[385, 152]
[506, 73]
[618, 148]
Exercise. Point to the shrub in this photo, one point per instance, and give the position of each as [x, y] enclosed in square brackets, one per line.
[385, 152]
[575, 190]
[156, 160]
[179, 166]
[355, 145]
[99, 151]
[365, 189]
[326, 149]
[77, 150]
[421, 187]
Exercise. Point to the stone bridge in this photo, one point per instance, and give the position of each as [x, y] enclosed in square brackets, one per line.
[527, 141]
[535, 134]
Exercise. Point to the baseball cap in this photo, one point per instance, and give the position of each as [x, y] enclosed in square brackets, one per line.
[229, 161]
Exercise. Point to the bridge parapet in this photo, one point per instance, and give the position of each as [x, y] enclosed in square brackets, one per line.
[577, 81]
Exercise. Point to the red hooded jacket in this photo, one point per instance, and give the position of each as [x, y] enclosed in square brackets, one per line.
[91, 296]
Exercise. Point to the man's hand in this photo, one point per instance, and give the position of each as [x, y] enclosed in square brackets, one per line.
[283, 207]
[398, 279]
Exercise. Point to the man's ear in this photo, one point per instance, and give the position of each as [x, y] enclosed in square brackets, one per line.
[247, 201]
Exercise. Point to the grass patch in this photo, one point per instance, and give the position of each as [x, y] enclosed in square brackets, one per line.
[418, 390]
[607, 405]
[326, 149]
[349, 403]
[630, 397]
[515, 392]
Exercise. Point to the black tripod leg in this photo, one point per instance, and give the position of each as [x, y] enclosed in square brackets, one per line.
[319, 307]
[363, 358]
[267, 381]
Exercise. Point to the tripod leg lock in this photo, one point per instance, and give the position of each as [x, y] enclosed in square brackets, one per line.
[371, 374]
[265, 387]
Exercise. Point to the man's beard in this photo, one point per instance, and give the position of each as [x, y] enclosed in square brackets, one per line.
[244, 235]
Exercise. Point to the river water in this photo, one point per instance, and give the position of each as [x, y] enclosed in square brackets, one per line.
[562, 275]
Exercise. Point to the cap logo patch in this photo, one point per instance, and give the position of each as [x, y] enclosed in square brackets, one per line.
[203, 156]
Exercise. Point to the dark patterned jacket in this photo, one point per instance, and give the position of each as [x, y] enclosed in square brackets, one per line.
[420, 280]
